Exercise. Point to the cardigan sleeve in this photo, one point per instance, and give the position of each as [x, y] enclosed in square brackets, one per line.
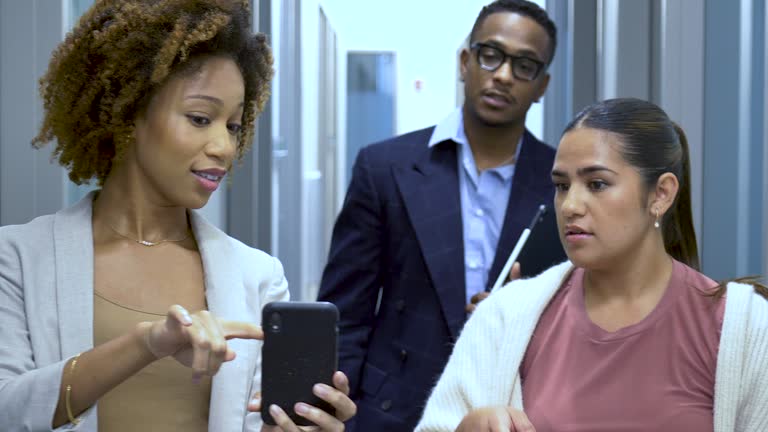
[752, 411]
[469, 379]
[483, 368]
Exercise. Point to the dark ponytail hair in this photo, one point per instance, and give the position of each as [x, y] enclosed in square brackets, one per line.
[654, 145]
[677, 229]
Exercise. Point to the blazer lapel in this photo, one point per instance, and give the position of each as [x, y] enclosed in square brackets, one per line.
[524, 199]
[73, 249]
[430, 191]
[224, 294]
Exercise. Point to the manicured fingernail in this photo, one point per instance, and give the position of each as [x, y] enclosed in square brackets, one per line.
[256, 401]
[301, 408]
[274, 410]
[321, 390]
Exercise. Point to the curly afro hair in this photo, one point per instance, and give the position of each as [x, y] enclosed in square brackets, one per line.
[106, 70]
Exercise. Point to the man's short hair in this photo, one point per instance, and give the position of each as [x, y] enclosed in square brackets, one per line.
[524, 8]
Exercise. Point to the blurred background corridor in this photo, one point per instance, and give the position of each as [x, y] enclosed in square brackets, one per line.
[352, 72]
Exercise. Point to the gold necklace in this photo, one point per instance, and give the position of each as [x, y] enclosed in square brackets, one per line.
[96, 293]
[145, 242]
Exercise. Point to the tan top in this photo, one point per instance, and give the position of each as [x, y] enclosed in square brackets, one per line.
[161, 397]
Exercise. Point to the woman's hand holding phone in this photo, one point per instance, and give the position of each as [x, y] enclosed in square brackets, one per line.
[338, 397]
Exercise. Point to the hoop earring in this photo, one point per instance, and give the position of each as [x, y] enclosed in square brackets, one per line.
[656, 223]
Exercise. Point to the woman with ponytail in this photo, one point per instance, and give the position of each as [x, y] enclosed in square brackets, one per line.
[627, 335]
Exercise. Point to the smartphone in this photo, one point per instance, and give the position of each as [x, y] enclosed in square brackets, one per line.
[299, 351]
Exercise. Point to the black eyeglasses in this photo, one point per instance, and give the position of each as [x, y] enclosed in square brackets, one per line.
[491, 58]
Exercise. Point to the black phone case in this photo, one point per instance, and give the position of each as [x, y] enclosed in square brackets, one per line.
[298, 355]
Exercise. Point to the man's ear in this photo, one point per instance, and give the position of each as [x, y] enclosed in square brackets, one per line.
[464, 58]
[542, 87]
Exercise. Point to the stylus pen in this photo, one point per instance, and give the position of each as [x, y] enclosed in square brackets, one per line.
[518, 247]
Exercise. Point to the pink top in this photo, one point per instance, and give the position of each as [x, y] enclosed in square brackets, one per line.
[658, 374]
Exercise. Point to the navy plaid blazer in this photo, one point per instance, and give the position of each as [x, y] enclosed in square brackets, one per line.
[396, 268]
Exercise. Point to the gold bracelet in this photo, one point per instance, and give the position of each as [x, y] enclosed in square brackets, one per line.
[68, 392]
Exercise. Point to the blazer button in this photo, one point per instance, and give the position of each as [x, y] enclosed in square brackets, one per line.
[386, 405]
[403, 355]
[400, 305]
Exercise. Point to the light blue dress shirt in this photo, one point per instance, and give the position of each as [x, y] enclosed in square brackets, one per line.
[484, 198]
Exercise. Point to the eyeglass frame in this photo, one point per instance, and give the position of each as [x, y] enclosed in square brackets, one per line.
[476, 46]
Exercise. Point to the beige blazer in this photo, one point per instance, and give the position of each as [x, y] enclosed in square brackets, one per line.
[46, 315]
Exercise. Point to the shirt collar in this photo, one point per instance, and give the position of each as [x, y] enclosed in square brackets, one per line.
[451, 128]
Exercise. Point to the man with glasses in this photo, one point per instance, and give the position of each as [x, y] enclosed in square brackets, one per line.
[431, 216]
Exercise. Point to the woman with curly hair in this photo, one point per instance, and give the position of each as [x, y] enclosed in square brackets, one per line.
[107, 305]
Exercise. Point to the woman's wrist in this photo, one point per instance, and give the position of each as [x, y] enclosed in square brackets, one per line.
[141, 337]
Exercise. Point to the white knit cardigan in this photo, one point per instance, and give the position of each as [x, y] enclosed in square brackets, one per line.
[483, 368]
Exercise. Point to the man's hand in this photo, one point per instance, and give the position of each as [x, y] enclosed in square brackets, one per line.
[475, 300]
[514, 273]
